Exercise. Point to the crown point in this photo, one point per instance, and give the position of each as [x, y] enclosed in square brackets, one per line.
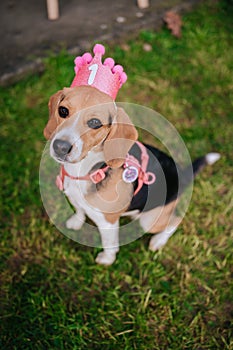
[118, 69]
[78, 61]
[87, 57]
[123, 78]
[109, 62]
[106, 77]
[98, 48]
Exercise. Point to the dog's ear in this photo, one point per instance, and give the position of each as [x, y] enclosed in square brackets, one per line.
[53, 121]
[120, 139]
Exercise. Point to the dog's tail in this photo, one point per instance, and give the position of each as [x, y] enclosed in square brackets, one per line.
[197, 165]
[208, 159]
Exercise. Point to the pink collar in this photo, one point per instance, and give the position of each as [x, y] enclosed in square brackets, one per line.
[133, 171]
[96, 177]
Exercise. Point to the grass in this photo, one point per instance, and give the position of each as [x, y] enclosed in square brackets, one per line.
[53, 295]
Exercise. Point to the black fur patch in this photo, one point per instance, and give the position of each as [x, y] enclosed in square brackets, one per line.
[166, 186]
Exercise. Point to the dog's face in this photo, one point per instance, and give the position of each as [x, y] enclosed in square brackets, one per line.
[89, 122]
[67, 102]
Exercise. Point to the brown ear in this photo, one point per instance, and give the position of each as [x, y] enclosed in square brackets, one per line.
[53, 121]
[120, 139]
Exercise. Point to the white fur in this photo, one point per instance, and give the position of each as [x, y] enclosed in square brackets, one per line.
[76, 221]
[160, 239]
[211, 158]
[110, 242]
[74, 139]
[76, 190]
[133, 214]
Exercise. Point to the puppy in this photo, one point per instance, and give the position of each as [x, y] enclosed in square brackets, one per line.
[106, 173]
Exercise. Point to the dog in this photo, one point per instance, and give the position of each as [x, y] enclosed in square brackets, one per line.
[106, 173]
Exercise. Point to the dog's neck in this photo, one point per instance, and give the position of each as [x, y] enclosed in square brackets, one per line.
[83, 167]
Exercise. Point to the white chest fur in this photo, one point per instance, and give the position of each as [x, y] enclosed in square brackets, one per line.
[77, 189]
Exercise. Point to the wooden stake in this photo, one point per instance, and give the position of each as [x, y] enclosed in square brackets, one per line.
[53, 9]
[143, 4]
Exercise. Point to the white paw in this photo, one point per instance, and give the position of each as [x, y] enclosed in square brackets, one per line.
[160, 239]
[157, 243]
[75, 222]
[106, 258]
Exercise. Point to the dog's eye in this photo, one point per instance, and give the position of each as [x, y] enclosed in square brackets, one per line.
[63, 112]
[94, 123]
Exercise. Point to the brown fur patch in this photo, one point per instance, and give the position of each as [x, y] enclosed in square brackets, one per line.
[112, 197]
[156, 220]
[122, 136]
[75, 99]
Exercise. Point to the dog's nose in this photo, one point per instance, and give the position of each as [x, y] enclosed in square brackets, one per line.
[61, 148]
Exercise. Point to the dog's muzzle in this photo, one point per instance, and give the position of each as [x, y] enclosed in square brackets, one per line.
[61, 148]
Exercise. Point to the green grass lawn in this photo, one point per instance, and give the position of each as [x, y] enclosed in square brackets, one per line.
[53, 295]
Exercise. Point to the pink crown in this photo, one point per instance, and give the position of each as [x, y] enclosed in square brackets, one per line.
[106, 77]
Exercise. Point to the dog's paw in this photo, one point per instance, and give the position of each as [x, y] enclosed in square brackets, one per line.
[157, 243]
[75, 222]
[106, 258]
[160, 239]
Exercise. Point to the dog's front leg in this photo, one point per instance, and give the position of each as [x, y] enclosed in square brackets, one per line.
[110, 242]
[76, 221]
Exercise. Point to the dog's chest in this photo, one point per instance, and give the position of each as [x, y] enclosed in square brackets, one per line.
[76, 190]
